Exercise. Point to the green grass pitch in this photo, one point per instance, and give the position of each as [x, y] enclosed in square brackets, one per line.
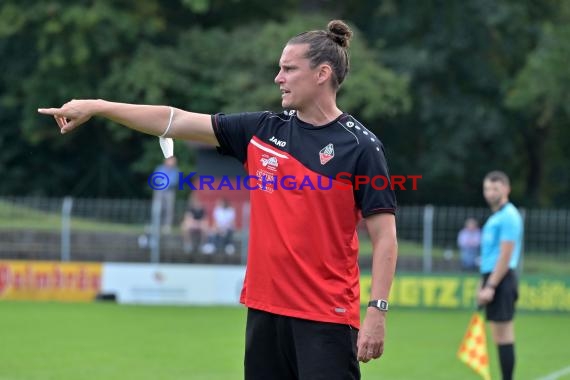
[61, 341]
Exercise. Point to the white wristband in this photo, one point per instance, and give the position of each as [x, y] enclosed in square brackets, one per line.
[169, 122]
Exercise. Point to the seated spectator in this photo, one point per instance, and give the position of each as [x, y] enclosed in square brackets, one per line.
[469, 241]
[223, 227]
[194, 226]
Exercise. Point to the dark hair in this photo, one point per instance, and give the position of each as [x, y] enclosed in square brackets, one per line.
[330, 46]
[498, 176]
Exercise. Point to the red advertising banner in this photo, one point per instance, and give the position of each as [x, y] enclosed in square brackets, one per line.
[49, 280]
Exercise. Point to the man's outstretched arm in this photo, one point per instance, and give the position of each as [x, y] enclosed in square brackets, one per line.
[149, 119]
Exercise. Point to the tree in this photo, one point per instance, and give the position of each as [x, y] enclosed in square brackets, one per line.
[541, 93]
[153, 52]
[462, 58]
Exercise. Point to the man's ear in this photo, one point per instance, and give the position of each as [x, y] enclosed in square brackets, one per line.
[324, 73]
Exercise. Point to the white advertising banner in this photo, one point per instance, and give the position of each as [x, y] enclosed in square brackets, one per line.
[173, 284]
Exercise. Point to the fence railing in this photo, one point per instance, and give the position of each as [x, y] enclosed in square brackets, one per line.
[125, 231]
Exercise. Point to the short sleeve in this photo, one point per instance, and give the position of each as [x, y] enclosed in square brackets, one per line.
[510, 228]
[234, 131]
[376, 195]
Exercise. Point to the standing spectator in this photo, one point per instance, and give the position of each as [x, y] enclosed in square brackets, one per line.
[500, 252]
[469, 241]
[194, 226]
[167, 197]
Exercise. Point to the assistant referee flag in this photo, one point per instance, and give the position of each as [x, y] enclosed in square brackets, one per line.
[473, 348]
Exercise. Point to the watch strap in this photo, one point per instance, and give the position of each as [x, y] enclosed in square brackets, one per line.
[381, 305]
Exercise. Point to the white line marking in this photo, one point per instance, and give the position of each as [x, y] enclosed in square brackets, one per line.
[556, 375]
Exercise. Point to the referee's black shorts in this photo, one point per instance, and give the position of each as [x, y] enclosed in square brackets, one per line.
[502, 307]
[286, 348]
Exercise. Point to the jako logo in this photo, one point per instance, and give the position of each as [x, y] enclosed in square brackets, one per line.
[277, 142]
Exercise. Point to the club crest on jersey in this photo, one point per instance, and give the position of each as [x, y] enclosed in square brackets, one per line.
[326, 154]
[269, 162]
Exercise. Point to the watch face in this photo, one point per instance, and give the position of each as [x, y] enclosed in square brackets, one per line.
[379, 304]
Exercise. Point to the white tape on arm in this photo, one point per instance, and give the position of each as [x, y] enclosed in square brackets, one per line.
[167, 144]
[169, 123]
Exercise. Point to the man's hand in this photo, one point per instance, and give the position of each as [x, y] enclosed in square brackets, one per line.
[485, 295]
[370, 344]
[71, 115]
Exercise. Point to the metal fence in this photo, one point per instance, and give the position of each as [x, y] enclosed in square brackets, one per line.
[125, 230]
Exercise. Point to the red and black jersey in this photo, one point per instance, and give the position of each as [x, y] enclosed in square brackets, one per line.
[303, 246]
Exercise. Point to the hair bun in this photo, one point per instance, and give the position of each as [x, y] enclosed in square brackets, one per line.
[339, 32]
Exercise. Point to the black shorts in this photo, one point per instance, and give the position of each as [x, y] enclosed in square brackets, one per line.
[502, 307]
[286, 348]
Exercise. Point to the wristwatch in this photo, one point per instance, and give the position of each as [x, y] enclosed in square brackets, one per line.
[381, 305]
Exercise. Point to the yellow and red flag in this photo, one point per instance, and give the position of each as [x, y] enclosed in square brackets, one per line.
[473, 349]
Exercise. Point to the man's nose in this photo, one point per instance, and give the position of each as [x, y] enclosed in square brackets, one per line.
[278, 78]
